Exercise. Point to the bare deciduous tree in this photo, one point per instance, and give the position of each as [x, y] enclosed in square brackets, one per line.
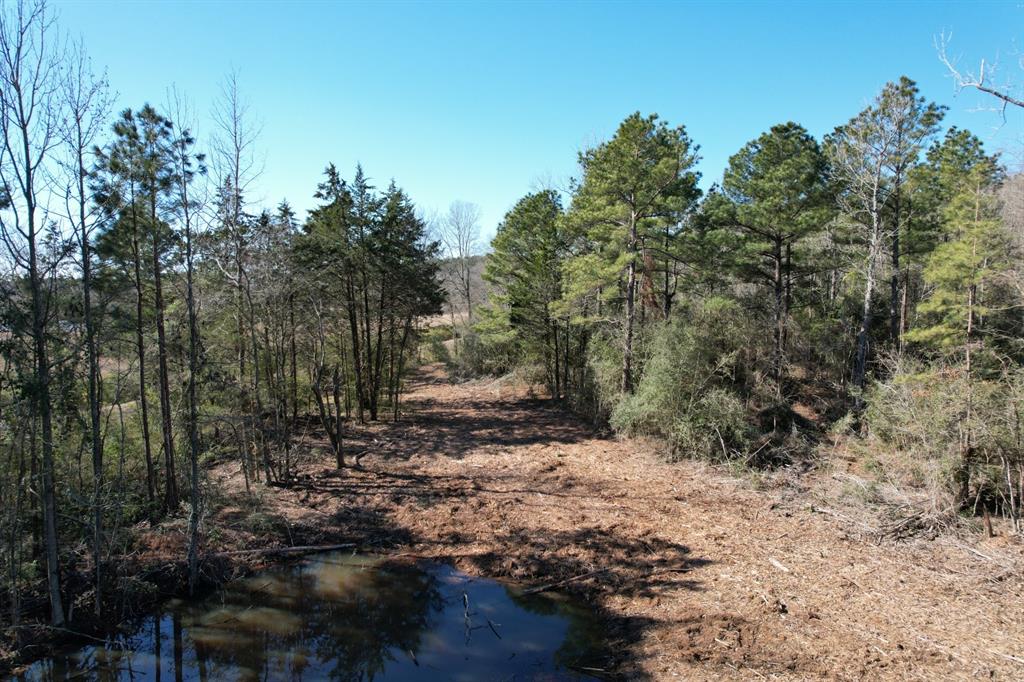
[983, 80]
[87, 104]
[30, 113]
[236, 168]
[860, 152]
[459, 233]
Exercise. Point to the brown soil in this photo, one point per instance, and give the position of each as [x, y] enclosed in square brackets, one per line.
[698, 574]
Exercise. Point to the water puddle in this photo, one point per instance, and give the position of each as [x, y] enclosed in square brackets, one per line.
[344, 617]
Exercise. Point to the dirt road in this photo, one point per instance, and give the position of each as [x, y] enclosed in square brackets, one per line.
[699, 575]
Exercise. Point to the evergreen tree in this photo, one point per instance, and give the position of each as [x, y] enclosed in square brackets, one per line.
[777, 196]
[962, 272]
[525, 269]
[632, 186]
[136, 178]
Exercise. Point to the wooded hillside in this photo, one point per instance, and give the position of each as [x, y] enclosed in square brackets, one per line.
[854, 297]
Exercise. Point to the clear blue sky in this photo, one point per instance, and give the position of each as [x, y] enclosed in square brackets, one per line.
[483, 101]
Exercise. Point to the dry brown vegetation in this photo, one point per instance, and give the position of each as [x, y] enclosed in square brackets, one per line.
[699, 575]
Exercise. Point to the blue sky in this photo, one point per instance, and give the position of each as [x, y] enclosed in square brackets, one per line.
[484, 102]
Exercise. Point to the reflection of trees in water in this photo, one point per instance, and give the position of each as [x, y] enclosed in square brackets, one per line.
[346, 621]
[388, 611]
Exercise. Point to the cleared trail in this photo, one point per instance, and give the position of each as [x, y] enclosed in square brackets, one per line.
[699, 575]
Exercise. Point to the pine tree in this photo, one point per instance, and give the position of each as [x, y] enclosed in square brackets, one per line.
[961, 271]
[777, 196]
[136, 179]
[632, 186]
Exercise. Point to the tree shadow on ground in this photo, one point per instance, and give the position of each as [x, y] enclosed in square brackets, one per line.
[593, 559]
[476, 423]
[594, 562]
[471, 512]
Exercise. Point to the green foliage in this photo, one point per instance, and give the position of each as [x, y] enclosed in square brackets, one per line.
[376, 272]
[433, 340]
[962, 270]
[503, 345]
[948, 169]
[692, 391]
[637, 188]
[521, 325]
[644, 170]
[604, 363]
[726, 328]
[918, 409]
[774, 195]
[776, 186]
[471, 359]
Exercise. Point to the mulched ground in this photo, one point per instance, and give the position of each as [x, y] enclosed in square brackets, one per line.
[697, 574]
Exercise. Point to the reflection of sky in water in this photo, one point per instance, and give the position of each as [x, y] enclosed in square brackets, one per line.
[349, 618]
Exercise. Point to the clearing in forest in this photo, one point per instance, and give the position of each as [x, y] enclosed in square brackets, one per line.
[698, 574]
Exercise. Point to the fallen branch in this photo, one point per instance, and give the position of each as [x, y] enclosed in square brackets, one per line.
[973, 551]
[582, 576]
[491, 626]
[307, 549]
[946, 650]
[1015, 659]
[67, 631]
[841, 517]
[544, 588]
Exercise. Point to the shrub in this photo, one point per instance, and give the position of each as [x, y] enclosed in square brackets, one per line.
[469, 359]
[433, 341]
[962, 439]
[693, 385]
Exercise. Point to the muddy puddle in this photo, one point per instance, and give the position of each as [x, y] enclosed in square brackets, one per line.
[344, 617]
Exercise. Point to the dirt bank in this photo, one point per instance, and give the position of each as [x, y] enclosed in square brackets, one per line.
[699, 575]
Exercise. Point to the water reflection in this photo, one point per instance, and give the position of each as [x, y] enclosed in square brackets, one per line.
[344, 617]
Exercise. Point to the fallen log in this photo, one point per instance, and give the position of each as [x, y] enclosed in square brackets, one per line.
[305, 549]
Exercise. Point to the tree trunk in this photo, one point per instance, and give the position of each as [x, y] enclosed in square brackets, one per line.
[257, 402]
[339, 453]
[193, 408]
[861, 358]
[894, 282]
[401, 365]
[140, 344]
[95, 434]
[627, 350]
[874, 245]
[370, 388]
[787, 303]
[353, 321]
[294, 355]
[963, 473]
[780, 322]
[44, 408]
[171, 497]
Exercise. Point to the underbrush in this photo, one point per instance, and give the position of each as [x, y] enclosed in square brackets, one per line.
[954, 438]
[926, 443]
[698, 393]
[462, 354]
